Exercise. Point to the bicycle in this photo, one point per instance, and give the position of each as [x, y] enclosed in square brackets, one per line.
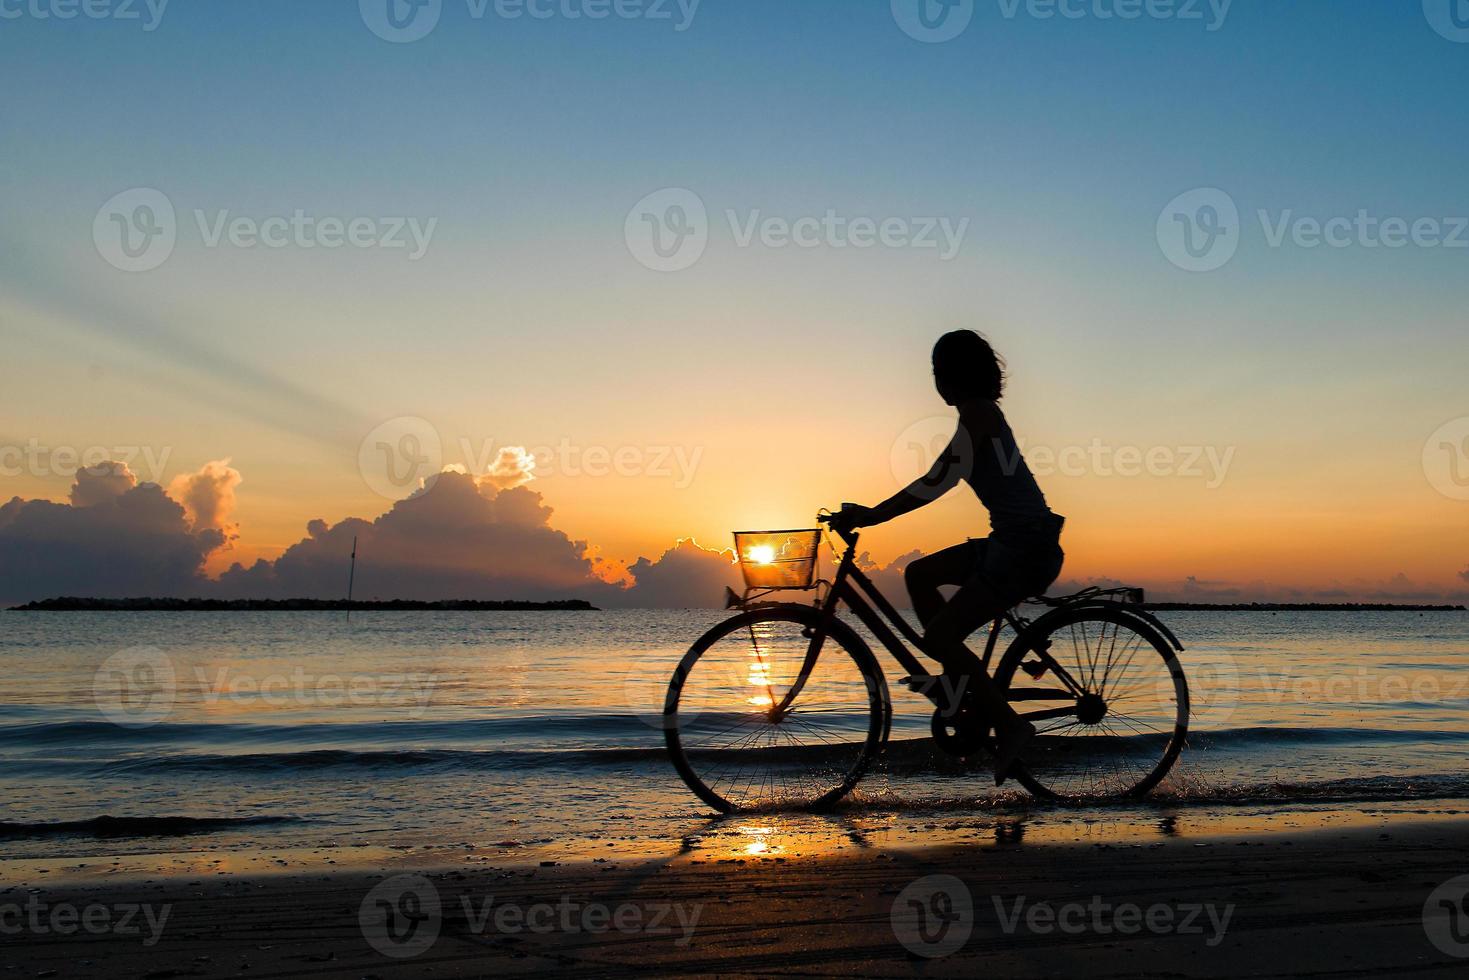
[785, 705]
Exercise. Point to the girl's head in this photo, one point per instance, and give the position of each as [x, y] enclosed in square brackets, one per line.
[965, 366]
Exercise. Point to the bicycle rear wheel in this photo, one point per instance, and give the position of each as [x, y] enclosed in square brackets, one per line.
[753, 720]
[1108, 698]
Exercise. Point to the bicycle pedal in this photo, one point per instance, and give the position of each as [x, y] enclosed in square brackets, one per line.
[1035, 669]
[918, 682]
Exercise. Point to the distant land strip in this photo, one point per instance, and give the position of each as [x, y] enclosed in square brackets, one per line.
[1296, 607]
[72, 604]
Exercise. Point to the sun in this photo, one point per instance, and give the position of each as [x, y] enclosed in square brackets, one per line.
[762, 554]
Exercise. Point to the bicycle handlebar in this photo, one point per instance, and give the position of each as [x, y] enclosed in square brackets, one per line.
[848, 535]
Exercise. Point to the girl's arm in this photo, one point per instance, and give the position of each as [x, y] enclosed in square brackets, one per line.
[945, 473]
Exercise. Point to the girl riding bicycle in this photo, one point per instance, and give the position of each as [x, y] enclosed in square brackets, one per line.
[1019, 559]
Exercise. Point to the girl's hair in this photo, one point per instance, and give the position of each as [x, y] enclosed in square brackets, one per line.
[965, 362]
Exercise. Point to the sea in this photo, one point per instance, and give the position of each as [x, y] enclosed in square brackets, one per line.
[531, 736]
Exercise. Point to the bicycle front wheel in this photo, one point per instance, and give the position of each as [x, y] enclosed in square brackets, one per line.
[775, 708]
[1108, 698]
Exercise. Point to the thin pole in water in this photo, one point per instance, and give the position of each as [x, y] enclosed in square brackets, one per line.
[351, 577]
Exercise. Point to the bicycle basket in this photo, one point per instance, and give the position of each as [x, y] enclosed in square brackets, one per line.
[777, 559]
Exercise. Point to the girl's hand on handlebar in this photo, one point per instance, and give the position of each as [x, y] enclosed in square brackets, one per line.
[851, 517]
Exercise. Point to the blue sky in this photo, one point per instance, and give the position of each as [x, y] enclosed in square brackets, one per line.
[528, 141]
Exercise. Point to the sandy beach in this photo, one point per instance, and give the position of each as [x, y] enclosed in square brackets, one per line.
[1339, 903]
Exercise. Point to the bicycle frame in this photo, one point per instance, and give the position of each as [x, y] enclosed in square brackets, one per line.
[872, 608]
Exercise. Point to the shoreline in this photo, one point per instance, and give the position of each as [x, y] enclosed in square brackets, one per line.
[1346, 900]
[68, 604]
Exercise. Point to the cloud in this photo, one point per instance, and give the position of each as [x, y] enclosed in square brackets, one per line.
[116, 538]
[889, 578]
[490, 537]
[98, 484]
[685, 576]
[513, 467]
[208, 496]
[459, 538]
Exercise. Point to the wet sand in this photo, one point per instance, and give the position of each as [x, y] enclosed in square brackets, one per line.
[1340, 903]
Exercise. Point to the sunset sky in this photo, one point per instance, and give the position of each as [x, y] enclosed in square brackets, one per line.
[762, 381]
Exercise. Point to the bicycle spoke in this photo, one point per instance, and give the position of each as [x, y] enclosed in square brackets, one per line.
[1132, 709]
[809, 750]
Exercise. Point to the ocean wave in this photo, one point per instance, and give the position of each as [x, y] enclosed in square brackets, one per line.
[91, 733]
[111, 827]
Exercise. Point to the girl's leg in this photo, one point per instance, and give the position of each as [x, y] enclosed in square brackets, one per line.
[952, 566]
[974, 605]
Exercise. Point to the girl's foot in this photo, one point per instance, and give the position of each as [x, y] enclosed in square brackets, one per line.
[1011, 739]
